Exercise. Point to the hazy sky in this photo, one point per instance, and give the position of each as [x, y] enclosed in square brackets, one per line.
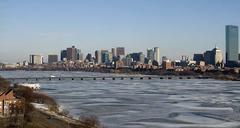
[178, 27]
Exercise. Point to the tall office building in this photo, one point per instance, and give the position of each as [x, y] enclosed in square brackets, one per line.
[120, 51]
[98, 57]
[157, 54]
[214, 57]
[36, 59]
[138, 57]
[52, 59]
[141, 58]
[218, 57]
[72, 53]
[79, 55]
[150, 54]
[198, 57]
[105, 56]
[114, 52]
[231, 43]
[63, 55]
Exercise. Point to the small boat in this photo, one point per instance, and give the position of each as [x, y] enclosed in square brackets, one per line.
[34, 86]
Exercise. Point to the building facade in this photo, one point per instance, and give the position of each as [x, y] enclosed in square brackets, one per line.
[150, 54]
[157, 54]
[114, 52]
[72, 54]
[63, 55]
[105, 56]
[214, 57]
[198, 57]
[120, 51]
[10, 105]
[232, 43]
[52, 59]
[36, 59]
[98, 57]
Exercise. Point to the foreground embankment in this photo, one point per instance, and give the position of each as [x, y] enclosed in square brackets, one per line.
[33, 117]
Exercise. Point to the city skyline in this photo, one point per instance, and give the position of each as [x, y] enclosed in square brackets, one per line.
[135, 25]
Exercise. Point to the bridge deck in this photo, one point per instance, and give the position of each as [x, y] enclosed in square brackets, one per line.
[106, 77]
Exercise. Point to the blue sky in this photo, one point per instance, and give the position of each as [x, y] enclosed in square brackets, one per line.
[178, 27]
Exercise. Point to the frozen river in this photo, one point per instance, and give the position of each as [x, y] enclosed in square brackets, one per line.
[155, 103]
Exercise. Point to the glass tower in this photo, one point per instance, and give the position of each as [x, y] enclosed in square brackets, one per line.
[231, 43]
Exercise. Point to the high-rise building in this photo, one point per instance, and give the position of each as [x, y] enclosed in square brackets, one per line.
[72, 53]
[209, 57]
[79, 55]
[52, 59]
[141, 58]
[128, 61]
[138, 57]
[105, 56]
[150, 54]
[36, 59]
[218, 57]
[63, 55]
[114, 52]
[120, 51]
[198, 57]
[214, 57]
[98, 57]
[110, 56]
[232, 43]
[157, 54]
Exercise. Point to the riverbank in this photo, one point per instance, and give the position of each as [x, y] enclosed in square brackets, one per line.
[35, 117]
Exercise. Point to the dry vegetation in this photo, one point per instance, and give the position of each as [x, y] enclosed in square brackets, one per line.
[34, 118]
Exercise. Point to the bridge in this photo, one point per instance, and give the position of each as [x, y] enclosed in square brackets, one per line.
[105, 78]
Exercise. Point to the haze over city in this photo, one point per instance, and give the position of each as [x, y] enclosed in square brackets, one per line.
[176, 27]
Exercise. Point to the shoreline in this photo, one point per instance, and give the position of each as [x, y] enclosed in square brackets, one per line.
[33, 116]
[218, 75]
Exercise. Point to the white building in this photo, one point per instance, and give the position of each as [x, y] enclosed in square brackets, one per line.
[157, 54]
[36, 59]
[218, 56]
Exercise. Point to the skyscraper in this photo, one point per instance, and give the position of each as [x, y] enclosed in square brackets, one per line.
[214, 57]
[150, 54]
[157, 54]
[120, 51]
[231, 43]
[63, 55]
[98, 57]
[113, 52]
[105, 56]
[72, 53]
[218, 57]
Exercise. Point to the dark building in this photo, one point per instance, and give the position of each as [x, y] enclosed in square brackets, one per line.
[89, 57]
[52, 59]
[120, 51]
[72, 53]
[63, 55]
[208, 57]
[138, 57]
[198, 57]
[105, 56]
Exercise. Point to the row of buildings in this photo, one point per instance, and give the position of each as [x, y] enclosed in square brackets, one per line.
[212, 57]
[101, 56]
